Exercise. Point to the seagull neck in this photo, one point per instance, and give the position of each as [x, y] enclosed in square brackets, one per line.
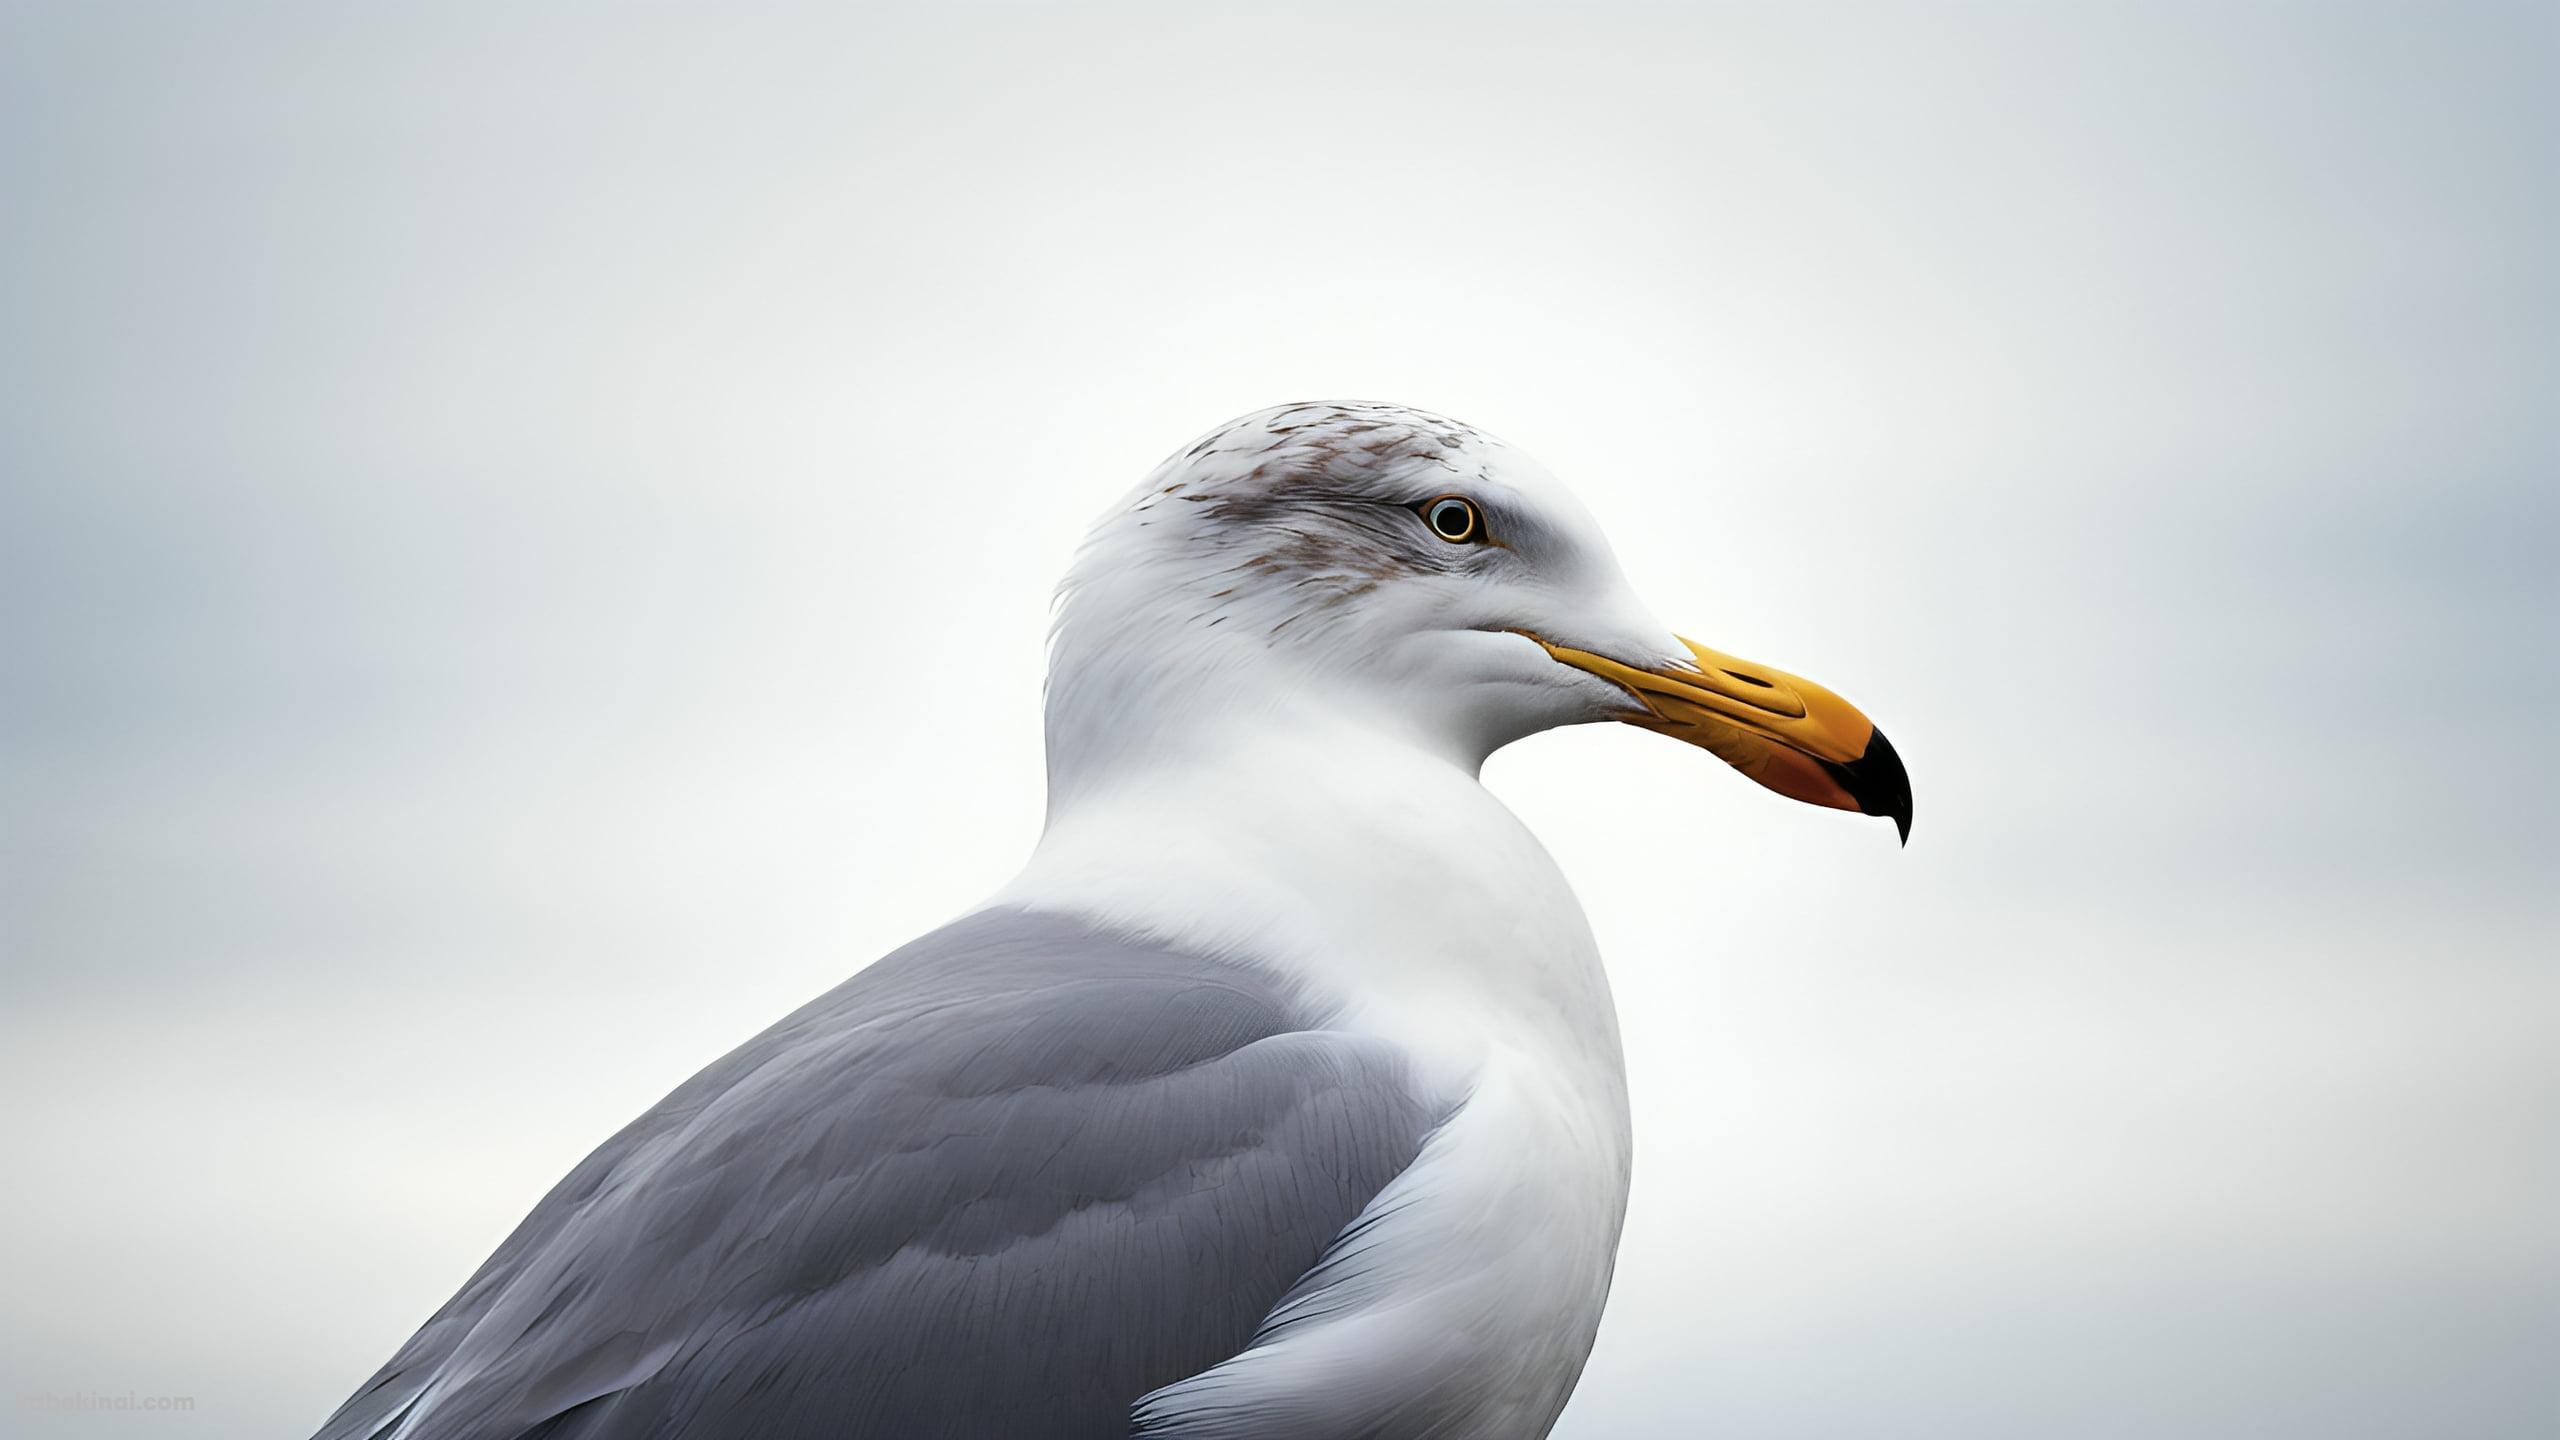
[1379, 873]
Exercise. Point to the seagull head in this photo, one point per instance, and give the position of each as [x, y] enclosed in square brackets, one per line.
[1382, 567]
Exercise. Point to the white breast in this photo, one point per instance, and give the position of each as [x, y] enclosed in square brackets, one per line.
[1412, 905]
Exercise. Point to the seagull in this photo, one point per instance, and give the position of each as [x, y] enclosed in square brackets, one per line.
[1280, 1094]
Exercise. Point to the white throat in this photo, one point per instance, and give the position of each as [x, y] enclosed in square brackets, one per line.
[1378, 875]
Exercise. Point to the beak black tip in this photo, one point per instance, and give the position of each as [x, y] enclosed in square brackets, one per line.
[1877, 781]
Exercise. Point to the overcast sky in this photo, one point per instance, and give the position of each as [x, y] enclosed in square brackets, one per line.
[528, 534]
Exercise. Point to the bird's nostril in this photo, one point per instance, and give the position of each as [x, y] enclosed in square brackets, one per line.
[1751, 680]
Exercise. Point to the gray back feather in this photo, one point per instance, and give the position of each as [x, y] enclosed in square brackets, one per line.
[1002, 1183]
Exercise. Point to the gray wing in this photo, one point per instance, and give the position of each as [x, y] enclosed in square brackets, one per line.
[1002, 1183]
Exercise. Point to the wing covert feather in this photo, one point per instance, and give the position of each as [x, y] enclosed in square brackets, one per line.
[1004, 1182]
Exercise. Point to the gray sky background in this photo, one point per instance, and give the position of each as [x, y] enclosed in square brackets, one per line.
[528, 533]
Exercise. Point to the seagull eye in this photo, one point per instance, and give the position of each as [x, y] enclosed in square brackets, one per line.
[1453, 518]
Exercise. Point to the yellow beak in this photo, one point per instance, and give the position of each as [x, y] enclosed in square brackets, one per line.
[1789, 734]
